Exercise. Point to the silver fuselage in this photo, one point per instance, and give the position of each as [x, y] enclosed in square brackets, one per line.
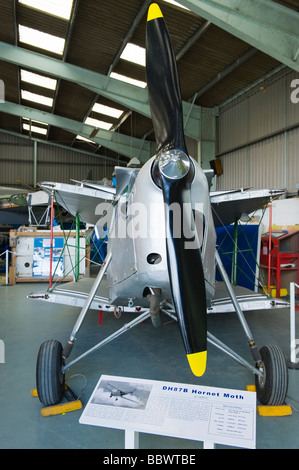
[137, 237]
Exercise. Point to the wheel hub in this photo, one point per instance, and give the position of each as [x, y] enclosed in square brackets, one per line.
[261, 378]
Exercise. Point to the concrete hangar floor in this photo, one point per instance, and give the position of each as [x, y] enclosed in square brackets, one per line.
[144, 352]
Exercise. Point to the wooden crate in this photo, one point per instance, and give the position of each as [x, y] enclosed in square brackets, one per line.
[24, 239]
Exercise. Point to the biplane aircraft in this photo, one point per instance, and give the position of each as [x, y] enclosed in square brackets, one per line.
[111, 394]
[171, 266]
[117, 393]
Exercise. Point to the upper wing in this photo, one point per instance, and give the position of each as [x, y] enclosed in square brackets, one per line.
[228, 206]
[80, 200]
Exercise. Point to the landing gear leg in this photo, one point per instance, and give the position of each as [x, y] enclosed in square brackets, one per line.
[154, 299]
[272, 379]
[70, 343]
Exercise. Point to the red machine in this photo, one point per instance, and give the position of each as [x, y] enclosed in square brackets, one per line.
[283, 256]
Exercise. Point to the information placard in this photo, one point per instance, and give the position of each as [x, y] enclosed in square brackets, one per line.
[195, 412]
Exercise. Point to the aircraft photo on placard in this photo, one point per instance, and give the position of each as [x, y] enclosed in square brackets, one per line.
[121, 394]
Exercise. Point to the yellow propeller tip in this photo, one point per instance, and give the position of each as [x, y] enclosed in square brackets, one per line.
[154, 12]
[197, 362]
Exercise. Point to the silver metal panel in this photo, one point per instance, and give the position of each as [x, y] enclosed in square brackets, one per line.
[229, 206]
[292, 109]
[270, 163]
[16, 156]
[76, 298]
[259, 111]
[247, 303]
[256, 131]
[148, 230]
[58, 164]
[292, 164]
[266, 110]
[235, 172]
[266, 163]
[233, 126]
[53, 162]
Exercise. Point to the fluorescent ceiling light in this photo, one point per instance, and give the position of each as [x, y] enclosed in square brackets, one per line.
[27, 95]
[34, 122]
[36, 38]
[79, 137]
[177, 4]
[134, 53]
[39, 80]
[132, 81]
[60, 8]
[96, 123]
[102, 109]
[38, 130]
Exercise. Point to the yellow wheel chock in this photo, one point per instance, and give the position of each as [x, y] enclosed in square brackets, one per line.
[72, 404]
[264, 410]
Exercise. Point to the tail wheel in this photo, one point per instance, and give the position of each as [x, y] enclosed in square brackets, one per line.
[50, 379]
[272, 386]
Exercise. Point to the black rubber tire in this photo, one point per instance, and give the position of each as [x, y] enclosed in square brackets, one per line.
[50, 381]
[272, 387]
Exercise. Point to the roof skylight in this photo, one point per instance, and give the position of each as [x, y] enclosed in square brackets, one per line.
[40, 80]
[134, 53]
[32, 127]
[132, 81]
[96, 123]
[40, 99]
[36, 129]
[46, 41]
[108, 110]
[60, 8]
[34, 121]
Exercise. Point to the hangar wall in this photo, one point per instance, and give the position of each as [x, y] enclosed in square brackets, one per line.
[54, 163]
[258, 135]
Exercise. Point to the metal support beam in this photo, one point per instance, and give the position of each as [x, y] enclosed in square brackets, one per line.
[77, 249]
[123, 144]
[128, 95]
[207, 142]
[233, 297]
[266, 25]
[69, 345]
[34, 163]
[127, 326]
[219, 345]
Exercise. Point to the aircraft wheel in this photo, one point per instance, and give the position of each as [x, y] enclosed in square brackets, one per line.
[272, 386]
[49, 377]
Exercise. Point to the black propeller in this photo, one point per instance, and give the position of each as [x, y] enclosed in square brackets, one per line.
[173, 172]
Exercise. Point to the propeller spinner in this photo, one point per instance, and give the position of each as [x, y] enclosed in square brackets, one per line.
[173, 171]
